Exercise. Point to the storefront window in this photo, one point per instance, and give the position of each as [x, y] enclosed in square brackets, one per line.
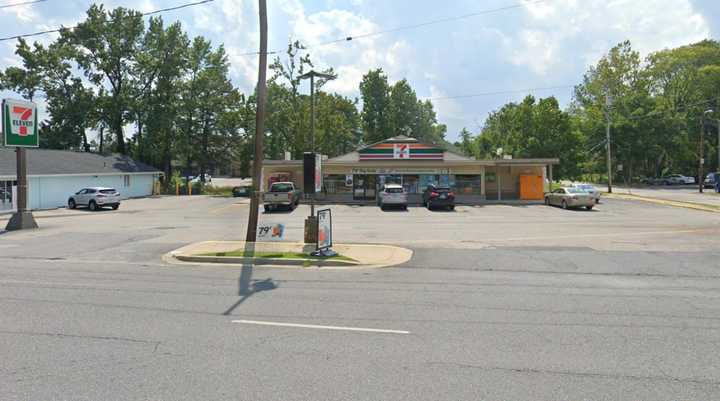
[6, 194]
[337, 184]
[468, 184]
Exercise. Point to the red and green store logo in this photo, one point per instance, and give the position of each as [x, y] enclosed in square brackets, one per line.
[19, 123]
[401, 151]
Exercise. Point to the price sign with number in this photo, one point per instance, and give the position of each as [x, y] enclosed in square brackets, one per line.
[271, 232]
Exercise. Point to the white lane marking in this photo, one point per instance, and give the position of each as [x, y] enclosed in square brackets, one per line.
[314, 326]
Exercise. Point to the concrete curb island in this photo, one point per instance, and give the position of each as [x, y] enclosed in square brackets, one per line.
[364, 255]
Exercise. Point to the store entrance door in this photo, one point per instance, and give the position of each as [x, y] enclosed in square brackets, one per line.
[364, 187]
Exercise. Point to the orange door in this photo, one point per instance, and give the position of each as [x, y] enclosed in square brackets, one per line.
[531, 187]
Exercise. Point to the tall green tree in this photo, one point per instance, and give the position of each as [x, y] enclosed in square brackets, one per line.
[107, 44]
[376, 115]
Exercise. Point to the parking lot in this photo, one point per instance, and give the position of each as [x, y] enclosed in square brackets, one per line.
[498, 302]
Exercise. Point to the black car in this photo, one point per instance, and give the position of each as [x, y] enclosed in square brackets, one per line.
[241, 192]
[439, 197]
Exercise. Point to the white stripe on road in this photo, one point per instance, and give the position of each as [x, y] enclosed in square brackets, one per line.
[314, 326]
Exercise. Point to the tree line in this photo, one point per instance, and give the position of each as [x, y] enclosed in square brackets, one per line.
[657, 107]
[118, 83]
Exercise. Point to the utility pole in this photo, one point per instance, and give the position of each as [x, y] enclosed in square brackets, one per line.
[259, 126]
[608, 104]
[702, 154]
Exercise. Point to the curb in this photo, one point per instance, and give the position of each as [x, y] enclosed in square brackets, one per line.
[266, 261]
[366, 256]
[666, 202]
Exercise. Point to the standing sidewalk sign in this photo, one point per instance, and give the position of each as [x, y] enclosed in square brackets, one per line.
[324, 234]
[20, 130]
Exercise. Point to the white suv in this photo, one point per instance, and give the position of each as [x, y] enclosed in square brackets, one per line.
[392, 195]
[95, 198]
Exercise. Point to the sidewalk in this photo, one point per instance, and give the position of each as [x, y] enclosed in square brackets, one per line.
[681, 196]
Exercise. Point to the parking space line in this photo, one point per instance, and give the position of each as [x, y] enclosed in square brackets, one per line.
[314, 326]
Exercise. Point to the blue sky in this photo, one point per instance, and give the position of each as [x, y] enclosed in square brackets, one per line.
[541, 44]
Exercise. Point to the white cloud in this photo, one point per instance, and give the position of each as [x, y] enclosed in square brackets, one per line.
[24, 13]
[563, 30]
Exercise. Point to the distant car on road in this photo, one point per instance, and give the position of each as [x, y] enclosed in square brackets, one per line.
[392, 195]
[570, 197]
[241, 191]
[679, 179]
[208, 178]
[590, 189]
[711, 179]
[281, 194]
[439, 197]
[95, 198]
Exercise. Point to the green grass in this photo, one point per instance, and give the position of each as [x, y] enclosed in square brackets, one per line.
[276, 255]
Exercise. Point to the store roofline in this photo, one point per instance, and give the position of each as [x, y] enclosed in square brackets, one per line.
[490, 163]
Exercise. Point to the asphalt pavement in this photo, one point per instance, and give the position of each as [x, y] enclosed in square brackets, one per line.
[497, 303]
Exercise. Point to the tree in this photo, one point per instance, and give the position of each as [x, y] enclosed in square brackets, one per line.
[107, 46]
[533, 129]
[26, 80]
[468, 144]
[404, 108]
[376, 116]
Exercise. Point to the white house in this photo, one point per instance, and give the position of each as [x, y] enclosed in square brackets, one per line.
[53, 175]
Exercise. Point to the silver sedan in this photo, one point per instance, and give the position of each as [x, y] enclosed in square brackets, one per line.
[570, 197]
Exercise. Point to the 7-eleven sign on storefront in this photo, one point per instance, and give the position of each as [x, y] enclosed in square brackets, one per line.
[19, 123]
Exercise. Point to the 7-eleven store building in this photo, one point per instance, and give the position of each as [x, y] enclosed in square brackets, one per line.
[358, 176]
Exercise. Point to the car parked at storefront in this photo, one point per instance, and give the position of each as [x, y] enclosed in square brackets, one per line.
[392, 195]
[570, 197]
[281, 194]
[589, 188]
[95, 198]
[439, 197]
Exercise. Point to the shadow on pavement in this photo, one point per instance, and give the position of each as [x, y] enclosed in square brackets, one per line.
[246, 285]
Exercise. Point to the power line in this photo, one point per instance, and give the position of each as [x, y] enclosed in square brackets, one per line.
[25, 3]
[427, 23]
[500, 92]
[412, 26]
[162, 10]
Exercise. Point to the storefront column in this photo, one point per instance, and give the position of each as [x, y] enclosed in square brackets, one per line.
[497, 180]
[482, 182]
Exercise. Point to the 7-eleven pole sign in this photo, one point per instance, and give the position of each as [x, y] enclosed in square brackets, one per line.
[19, 123]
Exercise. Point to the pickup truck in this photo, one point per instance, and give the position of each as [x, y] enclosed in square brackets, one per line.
[281, 194]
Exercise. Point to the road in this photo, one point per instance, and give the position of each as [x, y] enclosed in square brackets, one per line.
[499, 302]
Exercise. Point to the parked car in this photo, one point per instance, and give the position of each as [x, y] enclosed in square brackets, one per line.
[281, 194]
[392, 195]
[711, 179]
[679, 179]
[438, 197]
[589, 188]
[570, 197]
[95, 198]
[208, 178]
[241, 191]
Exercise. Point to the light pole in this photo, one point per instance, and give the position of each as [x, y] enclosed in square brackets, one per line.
[312, 74]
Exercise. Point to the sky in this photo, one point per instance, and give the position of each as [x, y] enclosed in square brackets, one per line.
[501, 50]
